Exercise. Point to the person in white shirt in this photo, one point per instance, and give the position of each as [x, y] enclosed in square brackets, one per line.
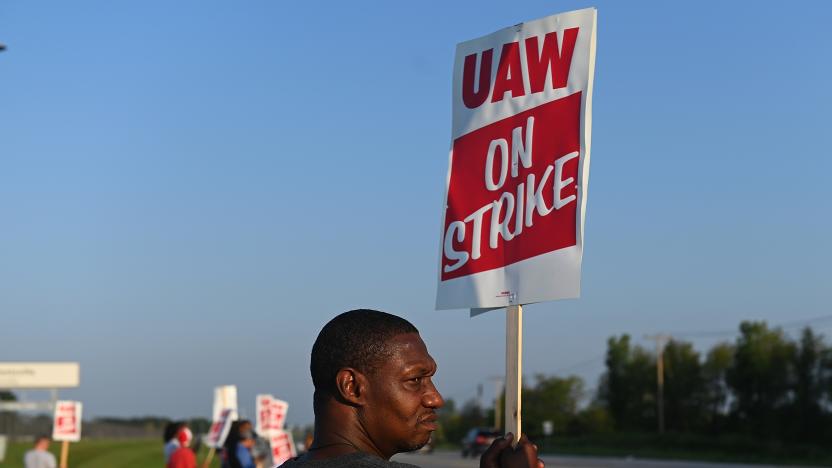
[39, 456]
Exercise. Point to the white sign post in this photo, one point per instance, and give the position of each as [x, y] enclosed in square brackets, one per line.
[518, 171]
[66, 426]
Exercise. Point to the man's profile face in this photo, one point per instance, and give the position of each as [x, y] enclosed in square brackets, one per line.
[402, 401]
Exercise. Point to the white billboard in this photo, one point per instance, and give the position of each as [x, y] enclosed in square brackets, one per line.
[39, 374]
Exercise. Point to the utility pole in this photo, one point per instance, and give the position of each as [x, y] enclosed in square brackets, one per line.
[660, 340]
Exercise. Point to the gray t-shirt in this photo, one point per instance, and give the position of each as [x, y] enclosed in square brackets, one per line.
[351, 460]
[39, 459]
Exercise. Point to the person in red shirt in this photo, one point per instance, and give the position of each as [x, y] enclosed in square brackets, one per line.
[183, 457]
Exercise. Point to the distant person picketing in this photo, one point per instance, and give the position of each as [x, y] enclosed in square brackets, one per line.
[242, 447]
[235, 442]
[178, 451]
[39, 456]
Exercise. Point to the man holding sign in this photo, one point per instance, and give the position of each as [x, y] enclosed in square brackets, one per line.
[374, 397]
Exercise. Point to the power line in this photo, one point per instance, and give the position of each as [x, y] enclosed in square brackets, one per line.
[723, 333]
[700, 334]
[580, 364]
[799, 323]
[705, 334]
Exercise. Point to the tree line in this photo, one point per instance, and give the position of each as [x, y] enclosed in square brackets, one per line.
[764, 385]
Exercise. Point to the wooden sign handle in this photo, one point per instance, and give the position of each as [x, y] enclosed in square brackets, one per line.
[514, 369]
[207, 462]
[64, 454]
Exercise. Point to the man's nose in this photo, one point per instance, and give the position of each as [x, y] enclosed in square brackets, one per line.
[432, 399]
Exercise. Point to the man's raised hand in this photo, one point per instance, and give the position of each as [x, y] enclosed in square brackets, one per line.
[502, 455]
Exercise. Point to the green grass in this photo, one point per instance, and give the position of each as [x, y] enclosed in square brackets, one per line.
[116, 453]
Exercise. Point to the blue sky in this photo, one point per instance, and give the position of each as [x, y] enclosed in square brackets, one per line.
[190, 190]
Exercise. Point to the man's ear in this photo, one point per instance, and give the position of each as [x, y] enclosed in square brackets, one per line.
[352, 386]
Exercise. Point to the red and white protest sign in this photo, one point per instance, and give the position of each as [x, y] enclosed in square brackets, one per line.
[66, 425]
[512, 230]
[271, 414]
[283, 447]
[220, 428]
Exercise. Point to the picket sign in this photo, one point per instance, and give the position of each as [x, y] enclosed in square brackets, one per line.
[217, 434]
[271, 414]
[66, 426]
[219, 429]
[271, 417]
[225, 397]
[518, 171]
[224, 413]
[283, 446]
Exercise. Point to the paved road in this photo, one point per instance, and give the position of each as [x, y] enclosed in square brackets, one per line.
[442, 459]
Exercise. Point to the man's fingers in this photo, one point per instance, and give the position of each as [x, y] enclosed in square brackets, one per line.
[501, 442]
[526, 446]
[491, 457]
[540, 463]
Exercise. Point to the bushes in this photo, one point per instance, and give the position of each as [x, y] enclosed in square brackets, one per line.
[764, 397]
[764, 385]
